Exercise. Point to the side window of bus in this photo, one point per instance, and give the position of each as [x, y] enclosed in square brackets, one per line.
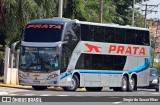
[88, 61]
[76, 30]
[109, 35]
[97, 61]
[108, 62]
[66, 54]
[120, 35]
[140, 39]
[80, 62]
[130, 36]
[147, 37]
[71, 33]
[87, 32]
[99, 34]
[119, 62]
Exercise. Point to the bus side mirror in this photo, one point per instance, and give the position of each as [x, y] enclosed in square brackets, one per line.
[13, 46]
[64, 42]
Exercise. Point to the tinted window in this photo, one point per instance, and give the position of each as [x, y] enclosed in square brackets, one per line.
[101, 62]
[43, 33]
[120, 35]
[66, 54]
[99, 34]
[97, 61]
[140, 39]
[109, 35]
[87, 32]
[108, 62]
[81, 62]
[119, 62]
[72, 34]
[130, 36]
[147, 37]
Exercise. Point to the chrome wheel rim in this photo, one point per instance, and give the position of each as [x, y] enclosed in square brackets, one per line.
[132, 83]
[73, 83]
[124, 84]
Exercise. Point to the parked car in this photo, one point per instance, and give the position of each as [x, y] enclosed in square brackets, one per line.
[154, 79]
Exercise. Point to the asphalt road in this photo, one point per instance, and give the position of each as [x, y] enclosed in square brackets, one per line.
[6, 91]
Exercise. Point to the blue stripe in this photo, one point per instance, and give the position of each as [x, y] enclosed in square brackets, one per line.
[140, 68]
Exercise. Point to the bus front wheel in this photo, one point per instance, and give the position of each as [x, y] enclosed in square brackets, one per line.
[74, 84]
[39, 87]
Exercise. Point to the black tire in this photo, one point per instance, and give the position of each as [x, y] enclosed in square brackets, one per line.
[93, 88]
[124, 84]
[157, 88]
[75, 84]
[131, 84]
[39, 87]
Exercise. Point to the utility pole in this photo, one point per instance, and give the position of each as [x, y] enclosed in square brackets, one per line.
[133, 10]
[101, 12]
[60, 8]
[145, 15]
[146, 10]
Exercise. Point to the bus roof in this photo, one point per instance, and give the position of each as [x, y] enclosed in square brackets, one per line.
[55, 20]
[58, 20]
[111, 25]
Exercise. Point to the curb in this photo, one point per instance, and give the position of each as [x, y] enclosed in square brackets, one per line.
[15, 86]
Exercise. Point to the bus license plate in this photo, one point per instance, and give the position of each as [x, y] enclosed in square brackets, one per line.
[36, 81]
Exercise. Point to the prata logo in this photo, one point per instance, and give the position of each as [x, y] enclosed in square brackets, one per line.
[91, 47]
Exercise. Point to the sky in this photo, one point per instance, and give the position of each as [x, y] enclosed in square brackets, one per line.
[153, 15]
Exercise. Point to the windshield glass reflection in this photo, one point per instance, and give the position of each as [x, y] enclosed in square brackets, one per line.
[38, 59]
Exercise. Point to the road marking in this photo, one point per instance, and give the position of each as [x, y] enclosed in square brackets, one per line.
[3, 93]
[45, 95]
[62, 95]
[155, 93]
[29, 94]
[116, 102]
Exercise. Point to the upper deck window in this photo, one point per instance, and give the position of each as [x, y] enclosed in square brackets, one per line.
[43, 33]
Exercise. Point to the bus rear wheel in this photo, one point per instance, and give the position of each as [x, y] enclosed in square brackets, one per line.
[74, 84]
[131, 84]
[93, 88]
[39, 87]
[124, 84]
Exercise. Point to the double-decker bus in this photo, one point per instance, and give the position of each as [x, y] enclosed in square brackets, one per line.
[72, 54]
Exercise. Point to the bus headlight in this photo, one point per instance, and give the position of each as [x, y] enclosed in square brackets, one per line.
[155, 81]
[51, 76]
[22, 75]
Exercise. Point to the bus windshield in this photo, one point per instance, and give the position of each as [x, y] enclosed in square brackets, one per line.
[36, 59]
[42, 33]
